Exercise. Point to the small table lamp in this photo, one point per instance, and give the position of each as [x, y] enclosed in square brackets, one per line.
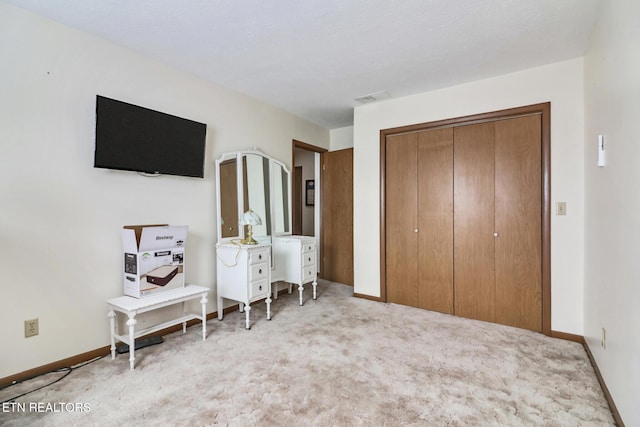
[250, 218]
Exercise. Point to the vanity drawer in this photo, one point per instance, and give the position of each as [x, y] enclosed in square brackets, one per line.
[308, 258]
[258, 288]
[309, 273]
[258, 256]
[308, 247]
[258, 271]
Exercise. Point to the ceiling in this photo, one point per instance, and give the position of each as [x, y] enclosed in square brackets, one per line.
[314, 57]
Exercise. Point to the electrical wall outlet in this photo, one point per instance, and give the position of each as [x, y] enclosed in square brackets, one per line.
[31, 328]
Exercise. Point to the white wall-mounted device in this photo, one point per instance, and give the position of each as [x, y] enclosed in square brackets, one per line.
[602, 158]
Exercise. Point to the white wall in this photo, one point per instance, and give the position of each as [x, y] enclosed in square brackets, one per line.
[562, 85]
[341, 138]
[612, 203]
[60, 219]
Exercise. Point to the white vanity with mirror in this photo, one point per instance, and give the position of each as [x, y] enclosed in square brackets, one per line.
[253, 193]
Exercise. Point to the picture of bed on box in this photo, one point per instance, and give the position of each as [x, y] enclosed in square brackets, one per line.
[162, 275]
[166, 273]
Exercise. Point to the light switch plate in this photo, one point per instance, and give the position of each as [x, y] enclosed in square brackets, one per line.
[561, 208]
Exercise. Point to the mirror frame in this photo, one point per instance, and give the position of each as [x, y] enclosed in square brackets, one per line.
[273, 163]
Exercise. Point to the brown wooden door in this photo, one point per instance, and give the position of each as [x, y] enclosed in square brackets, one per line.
[518, 246]
[474, 221]
[463, 220]
[337, 216]
[435, 220]
[401, 198]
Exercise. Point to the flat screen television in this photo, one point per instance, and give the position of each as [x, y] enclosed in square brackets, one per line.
[133, 138]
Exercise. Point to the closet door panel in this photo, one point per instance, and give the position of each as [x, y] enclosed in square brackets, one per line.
[435, 220]
[401, 219]
[518, 222]
[337, 216]
[474, 221]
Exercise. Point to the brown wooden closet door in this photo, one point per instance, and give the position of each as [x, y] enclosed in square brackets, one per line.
[435, 220]
[401, 219]
[518, 247]
[337, 216]
[474, 221]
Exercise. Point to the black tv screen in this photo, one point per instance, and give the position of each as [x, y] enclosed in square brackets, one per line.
[133, 138]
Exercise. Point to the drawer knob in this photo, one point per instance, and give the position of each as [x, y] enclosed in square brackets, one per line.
[260, 271]
[260, 287]
[260, 256]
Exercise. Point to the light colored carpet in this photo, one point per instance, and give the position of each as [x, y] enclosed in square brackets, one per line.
[336, 361]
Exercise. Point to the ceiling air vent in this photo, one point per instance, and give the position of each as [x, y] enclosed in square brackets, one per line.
[372, 97]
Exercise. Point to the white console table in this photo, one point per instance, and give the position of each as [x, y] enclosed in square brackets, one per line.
[133, 306]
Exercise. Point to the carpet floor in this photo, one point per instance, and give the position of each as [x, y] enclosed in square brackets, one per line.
[335, 361]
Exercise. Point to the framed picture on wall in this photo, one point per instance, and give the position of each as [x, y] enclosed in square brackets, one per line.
[310, 192]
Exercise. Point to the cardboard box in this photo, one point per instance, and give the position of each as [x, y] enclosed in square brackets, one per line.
[153, 258]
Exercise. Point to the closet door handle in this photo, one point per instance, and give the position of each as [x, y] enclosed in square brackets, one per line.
[415, 230]
[495, 234]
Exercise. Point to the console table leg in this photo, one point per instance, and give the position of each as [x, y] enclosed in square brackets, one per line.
[184, 312]
[204, 301]
[300, 289]
[247, 309]
[112, 325]
[315, 285]
[132, 340]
